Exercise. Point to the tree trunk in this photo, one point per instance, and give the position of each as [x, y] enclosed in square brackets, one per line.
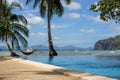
[12, 53]
[0, 8]
[52, 51]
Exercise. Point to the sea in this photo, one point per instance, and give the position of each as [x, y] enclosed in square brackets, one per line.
[104, 63]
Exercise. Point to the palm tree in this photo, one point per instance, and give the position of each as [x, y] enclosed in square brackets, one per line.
[50, 7]
[0, 7]
[13, 28]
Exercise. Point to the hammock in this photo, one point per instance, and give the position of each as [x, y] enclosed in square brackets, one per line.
[28, 52]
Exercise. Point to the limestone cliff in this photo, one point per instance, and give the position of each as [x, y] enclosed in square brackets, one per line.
[108, 44]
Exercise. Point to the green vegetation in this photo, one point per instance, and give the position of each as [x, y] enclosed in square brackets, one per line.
[12, 32]
[109, 9]
[108, 44]
[48, 8]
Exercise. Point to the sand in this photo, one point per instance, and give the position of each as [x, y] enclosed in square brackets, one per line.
[19, 69]
[15, 70]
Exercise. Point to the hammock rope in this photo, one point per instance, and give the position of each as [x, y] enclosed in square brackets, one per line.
[31, 51]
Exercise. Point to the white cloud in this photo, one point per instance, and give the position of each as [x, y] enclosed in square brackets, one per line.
[59, 26]
[72, 6]
[39, 34]
[10, 1]
[33, 19]
[74, 15]
[42, 34]
[73, 41]
[32, 34]
[94, 18]
[28, 11]
[110, 34]
[53, 26]
[114, 26]
[87, 30]
[56, 38]
[29, 27]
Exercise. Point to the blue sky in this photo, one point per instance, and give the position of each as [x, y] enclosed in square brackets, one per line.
[78, 26]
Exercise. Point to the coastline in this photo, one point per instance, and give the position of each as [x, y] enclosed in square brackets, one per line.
[14, 68]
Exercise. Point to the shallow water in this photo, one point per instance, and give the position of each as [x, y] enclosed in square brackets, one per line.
[101, 65]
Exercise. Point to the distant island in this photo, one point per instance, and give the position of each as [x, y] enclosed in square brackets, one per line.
[108, 44]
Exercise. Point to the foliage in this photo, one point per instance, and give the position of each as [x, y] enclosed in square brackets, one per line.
[12, 26]
[108, 9]
[56, 6]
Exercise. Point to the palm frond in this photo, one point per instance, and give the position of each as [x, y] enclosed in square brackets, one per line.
[21, 38]
[14, 18]
[28, 1]
[68, 1]
[58, 8]
[14, 42]
[20, 28]
[15, 5]
[22, 19]
[43, 8]
[36, 2]
[2, 33]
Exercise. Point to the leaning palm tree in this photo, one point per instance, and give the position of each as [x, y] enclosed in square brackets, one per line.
[13, 30]
[50, 7]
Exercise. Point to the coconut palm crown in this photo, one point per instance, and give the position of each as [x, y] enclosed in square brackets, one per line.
[13, 30]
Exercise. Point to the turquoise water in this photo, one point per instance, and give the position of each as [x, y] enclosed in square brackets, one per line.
[101, 65]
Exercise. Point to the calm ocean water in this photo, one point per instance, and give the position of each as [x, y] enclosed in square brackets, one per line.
[101, 65]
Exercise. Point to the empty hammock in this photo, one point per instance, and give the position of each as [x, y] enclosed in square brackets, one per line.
[28, 52]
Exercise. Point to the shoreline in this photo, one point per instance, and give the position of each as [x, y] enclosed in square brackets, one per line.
[73, 75]
[69, 53]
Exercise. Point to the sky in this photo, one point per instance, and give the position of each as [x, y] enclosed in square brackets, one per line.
[78, 26]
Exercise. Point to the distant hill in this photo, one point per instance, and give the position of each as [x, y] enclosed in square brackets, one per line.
[108, 44]
[69, 47]
[41, 47]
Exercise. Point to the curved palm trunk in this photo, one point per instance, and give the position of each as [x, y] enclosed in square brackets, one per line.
[12, 53]
[52, 51]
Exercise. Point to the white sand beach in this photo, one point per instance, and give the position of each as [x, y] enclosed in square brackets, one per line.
[15, 70]
[18, 69]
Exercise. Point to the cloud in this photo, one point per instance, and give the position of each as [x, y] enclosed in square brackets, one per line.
[110, 34]
[93, 18]
[32, 34]
[29, 27]
[72, 6]
[10, 1]
[39, 34]
[56, 38]
[73, 41]
[87, 30]
[59, 26]
[27, 11]
[33, 19]
[42, 34]
[73, 15]
[114, 26]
